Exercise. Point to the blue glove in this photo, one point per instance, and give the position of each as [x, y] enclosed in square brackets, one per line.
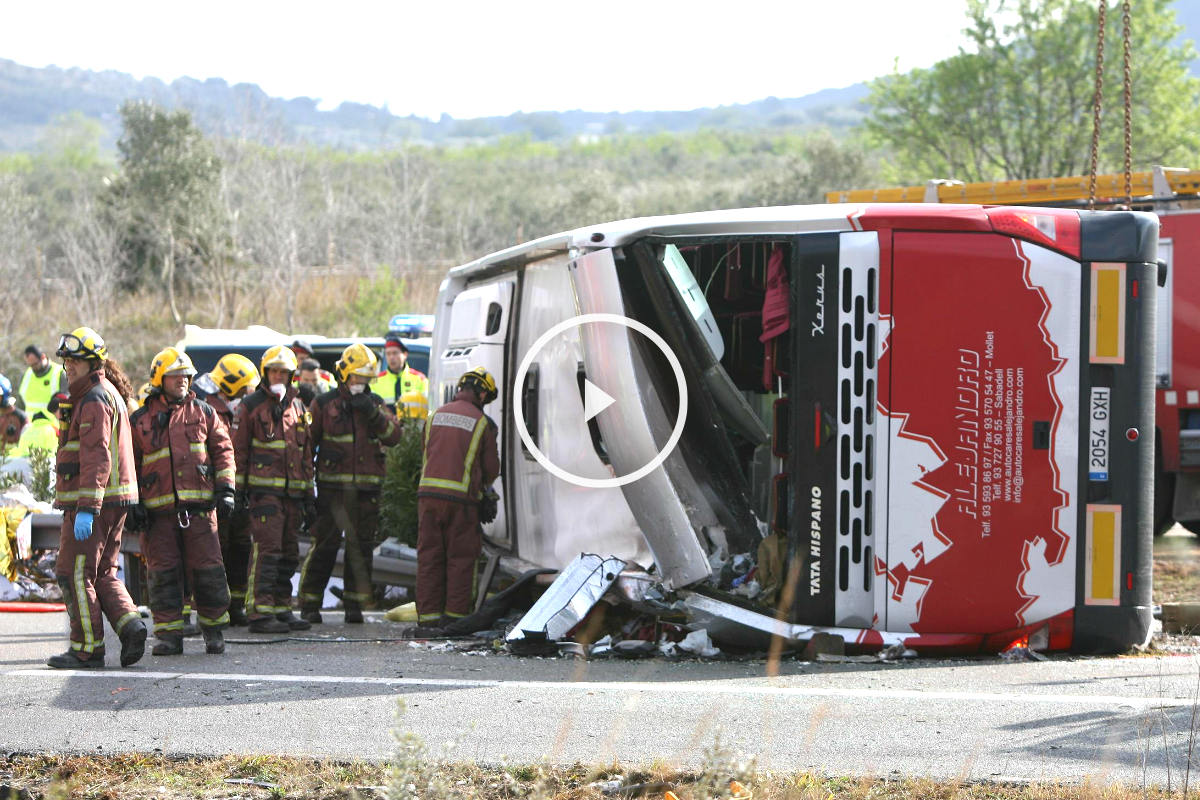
[83, 525]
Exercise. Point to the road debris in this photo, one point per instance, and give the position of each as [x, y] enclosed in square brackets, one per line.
[569, 599]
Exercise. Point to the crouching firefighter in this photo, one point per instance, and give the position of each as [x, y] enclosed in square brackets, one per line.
[273, 454]
[224, 388]
[462, 459]
[95, 486]
[350, 427]
[185, 474]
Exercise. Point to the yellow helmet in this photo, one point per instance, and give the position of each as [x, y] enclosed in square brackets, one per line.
[170, 361]
[479, 380]
[357, 359]
[82, 343]
[281, 357]
[143, 394]
[233, 373]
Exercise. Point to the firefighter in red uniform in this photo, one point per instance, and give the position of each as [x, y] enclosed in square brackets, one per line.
[275, 482]
[95, 487]
[462, 459]
[185, 475]
[350, 427]
[224, 388]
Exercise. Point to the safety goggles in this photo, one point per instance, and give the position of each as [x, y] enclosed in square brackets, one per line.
[71, 346]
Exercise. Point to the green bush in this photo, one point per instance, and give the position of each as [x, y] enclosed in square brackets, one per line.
[398, 502]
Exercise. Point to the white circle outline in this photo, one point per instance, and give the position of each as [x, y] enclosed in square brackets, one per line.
[570, 477]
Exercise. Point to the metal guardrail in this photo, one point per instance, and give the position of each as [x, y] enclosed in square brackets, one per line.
[387, 570]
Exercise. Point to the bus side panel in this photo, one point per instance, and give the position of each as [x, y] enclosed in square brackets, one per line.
[984, 420]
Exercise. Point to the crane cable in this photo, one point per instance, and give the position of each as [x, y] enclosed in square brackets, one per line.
[1098, 100]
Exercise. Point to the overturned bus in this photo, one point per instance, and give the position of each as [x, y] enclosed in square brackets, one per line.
[928, 425]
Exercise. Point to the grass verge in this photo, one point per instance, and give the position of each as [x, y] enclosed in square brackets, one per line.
[134, 776]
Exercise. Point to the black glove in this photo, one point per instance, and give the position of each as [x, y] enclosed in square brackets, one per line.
[362, 402]
[225, 503]
[240, 500]
[138, 519]
[489, 506]
[310, 512]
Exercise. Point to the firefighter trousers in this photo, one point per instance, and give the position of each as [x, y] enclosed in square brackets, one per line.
[354, 513]
[234, 534]
[274, 553]
[87, 574]
[183, 559]
[448, 547]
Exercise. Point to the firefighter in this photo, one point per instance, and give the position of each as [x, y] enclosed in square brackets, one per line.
[13, 422]
[461, 461]
[350, 428]
[224, 388]
[275, 483]
[323, 380]
[185, 477]
[95, 486]
[403, 388]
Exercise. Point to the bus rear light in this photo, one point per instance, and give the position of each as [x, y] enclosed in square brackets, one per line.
[1133, 289]
[1129, 581]
[1058, 230]
[1132, 434]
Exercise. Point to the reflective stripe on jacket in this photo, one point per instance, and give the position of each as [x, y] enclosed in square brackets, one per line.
[271, 444]
[183, 453]
[95, 457]
[462, 455]
[349, 448]
[406, 393]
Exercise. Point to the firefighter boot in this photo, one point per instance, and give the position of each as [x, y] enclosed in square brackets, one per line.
[268, 625]
[292, 621]
[69, 660]
[311, 615]
[133, 641]
[169, 644]
[189, 628]
[237, 612]
[214, 640]
[354, 613]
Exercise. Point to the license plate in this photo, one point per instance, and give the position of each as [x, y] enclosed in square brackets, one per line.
[1098, 438]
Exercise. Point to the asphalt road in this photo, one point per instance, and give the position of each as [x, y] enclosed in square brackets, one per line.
[1062, 719]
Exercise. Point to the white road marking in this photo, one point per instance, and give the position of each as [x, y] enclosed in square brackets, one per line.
[674, 688]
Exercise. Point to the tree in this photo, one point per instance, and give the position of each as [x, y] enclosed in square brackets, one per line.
[169, 187]
[1019, 104]
[90, 262]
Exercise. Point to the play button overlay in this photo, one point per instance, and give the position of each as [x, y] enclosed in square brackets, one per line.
[596, 400]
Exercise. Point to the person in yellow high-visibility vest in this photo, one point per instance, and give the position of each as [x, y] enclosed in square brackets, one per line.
[404, 389]
[41, 381]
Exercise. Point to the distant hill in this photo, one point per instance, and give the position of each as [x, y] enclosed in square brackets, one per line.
[33, 97]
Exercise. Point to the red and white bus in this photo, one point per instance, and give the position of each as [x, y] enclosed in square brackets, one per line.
[927, 424]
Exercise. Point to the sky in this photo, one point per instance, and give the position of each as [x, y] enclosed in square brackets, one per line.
[471, 59]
